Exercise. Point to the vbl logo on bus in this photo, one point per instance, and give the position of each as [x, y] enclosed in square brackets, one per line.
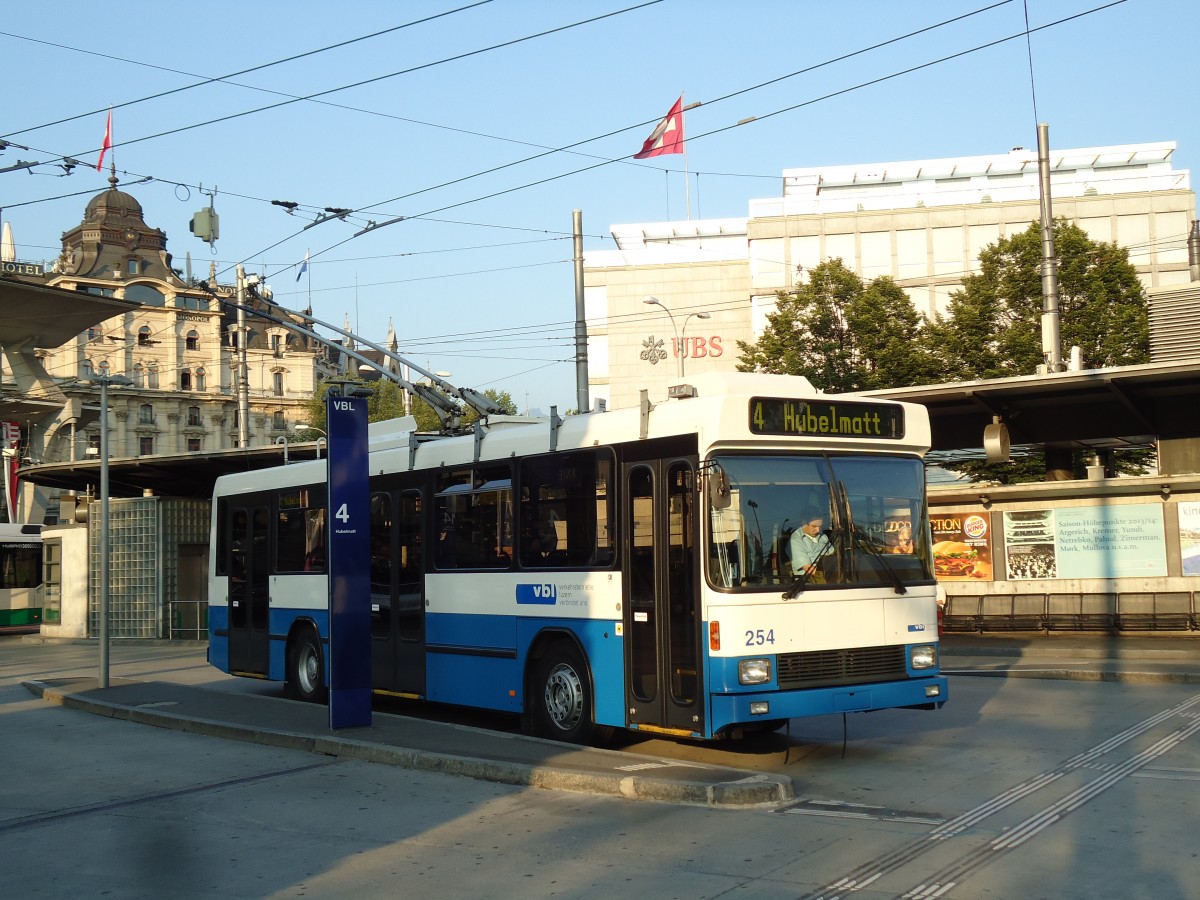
[540, 594]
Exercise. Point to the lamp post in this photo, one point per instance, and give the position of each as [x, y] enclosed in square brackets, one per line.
[104, 381]
[680, 333]
[304, 426]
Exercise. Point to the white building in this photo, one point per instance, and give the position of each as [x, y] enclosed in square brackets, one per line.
[922, 222]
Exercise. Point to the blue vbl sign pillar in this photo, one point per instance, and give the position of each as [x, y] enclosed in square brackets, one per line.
[349, 562]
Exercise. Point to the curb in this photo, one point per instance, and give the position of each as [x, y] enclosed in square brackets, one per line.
[1001, 671]
[751, 791]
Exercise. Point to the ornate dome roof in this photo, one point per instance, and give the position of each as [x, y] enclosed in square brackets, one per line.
[115, 209]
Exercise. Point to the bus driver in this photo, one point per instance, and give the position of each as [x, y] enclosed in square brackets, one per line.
[807, 544]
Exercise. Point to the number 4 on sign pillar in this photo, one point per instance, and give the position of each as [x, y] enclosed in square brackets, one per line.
[349, 563]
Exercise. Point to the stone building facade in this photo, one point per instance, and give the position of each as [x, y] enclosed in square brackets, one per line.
[178, 346]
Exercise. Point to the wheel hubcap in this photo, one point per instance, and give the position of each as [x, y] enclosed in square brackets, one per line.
[309, 666]
[564, 697]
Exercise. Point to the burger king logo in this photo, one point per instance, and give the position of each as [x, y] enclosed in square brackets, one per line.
[975, 526]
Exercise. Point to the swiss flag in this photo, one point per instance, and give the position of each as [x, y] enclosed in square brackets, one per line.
[107, 145]
[667, 137]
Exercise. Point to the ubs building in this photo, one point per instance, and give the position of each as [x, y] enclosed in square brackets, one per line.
[676, 297]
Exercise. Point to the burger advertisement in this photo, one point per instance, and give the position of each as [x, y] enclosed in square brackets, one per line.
[962, 547]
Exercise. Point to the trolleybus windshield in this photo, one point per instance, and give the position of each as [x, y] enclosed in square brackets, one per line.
[838, 521]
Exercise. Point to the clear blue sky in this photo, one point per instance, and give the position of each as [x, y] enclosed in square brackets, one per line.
[479, 280]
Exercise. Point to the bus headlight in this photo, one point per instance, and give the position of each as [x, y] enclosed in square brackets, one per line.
[754, 671]
[924, 656]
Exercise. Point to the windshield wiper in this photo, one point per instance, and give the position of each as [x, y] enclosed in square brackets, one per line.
[801, 583]
[870, 547]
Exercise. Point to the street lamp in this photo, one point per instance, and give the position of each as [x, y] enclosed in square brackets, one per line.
[304, 426]
[104, 381]
[680, 333]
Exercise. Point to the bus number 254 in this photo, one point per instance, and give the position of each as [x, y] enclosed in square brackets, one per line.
[759, 637]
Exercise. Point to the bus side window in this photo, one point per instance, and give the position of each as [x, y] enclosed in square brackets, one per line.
[314, 540]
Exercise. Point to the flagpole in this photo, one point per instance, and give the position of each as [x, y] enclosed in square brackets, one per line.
[309, 273]
[687, 185]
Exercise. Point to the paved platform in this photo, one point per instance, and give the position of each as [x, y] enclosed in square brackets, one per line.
[518, 759]
[418, 744]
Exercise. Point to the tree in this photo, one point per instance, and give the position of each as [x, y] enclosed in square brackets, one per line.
[841, 334]
[387, 402]
[508, 407]
[993, 327]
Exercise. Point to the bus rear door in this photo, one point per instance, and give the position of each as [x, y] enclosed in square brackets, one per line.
[397, 593]
[249, 589]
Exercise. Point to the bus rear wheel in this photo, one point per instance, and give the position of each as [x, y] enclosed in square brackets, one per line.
[305, 669]
[562, 696]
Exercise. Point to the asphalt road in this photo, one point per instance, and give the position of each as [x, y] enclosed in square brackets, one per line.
[1018, 788]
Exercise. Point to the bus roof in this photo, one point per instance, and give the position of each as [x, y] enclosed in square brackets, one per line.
[715, 407]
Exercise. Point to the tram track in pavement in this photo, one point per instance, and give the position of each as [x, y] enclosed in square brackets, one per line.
[951, 875]
[39, 819]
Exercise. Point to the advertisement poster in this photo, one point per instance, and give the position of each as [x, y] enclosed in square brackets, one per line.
[1029, 544]
[962, 546]
[1189, 536]
[1086, 542]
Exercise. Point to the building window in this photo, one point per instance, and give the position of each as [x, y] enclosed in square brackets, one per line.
[103, 367]
[146, 414]
[146, 445]
[185, 380]
[85, 369]
[192, 341]
[144, 336]
[153, 377]
[95, 333]
[193, 416]
[276, 344]
[139, 376]
[93, 445]
[277, 421]
[52, 582]
[199, 379]
[133, 267]
[193, 445]
[277, 383]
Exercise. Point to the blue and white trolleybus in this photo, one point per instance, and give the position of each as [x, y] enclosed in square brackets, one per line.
[642, 568]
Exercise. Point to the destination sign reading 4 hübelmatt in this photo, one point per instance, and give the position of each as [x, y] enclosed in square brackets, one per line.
[835, 418]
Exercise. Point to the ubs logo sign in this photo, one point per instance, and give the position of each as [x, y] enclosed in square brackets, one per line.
[653, 350]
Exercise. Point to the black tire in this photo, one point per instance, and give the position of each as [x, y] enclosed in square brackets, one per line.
[306, 669]
[561, 696]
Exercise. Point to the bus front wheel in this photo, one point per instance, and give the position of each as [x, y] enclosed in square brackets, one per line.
[562, 696]
[306, 669]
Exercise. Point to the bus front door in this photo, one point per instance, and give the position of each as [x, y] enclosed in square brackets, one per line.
[249, 592]
[661, 620]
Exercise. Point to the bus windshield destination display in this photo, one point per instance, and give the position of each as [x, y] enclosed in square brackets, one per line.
[823, 418]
